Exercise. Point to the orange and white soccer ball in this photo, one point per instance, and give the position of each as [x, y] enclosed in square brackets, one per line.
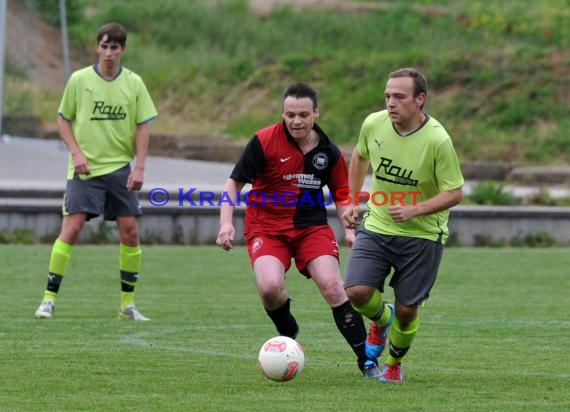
[281, 358]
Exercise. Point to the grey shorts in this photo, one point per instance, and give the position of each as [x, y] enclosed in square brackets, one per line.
[102, 195]
[415, 262]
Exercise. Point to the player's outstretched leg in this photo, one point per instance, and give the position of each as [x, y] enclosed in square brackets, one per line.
[351, 326]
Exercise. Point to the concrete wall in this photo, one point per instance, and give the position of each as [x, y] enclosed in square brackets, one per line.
[472, 224]
[469, 225]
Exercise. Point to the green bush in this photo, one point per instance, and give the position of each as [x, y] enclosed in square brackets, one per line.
[17, 236]
[538, 239]
[492, 193]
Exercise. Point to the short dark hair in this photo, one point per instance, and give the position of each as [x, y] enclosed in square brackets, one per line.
[420, 81]
[300, 90]
[115, 34]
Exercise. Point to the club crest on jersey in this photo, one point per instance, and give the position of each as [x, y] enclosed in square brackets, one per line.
[320, 161]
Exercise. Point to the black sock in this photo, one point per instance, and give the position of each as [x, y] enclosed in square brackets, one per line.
[350, 324]
[128, 281]
[54, 282]
[284, 321]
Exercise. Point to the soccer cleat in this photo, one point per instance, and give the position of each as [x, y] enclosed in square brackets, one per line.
[376, 339]
[391, 373]
[45, 311]
[130, 312]
[370, 369]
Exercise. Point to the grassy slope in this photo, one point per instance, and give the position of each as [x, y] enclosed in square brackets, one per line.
[498, 70]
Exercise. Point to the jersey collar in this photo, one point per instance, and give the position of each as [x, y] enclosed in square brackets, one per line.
[108, 80]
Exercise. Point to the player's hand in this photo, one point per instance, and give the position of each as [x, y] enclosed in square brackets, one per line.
[81, 165]
[226, 237]
[135, 180]
[402, 214]
[351, 217]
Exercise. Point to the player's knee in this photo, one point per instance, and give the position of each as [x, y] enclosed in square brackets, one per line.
[358, 295]
[129, 234]
[70, 231]
[270, 292]
[333, 293]
[406, 315]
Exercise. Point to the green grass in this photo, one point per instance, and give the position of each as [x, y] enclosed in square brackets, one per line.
[494, 336]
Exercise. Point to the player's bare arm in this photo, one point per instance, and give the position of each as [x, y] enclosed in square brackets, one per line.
[136, 178]
[441, 201]
[66, 134]
[226, 235]
[349, 235]
[356, 174]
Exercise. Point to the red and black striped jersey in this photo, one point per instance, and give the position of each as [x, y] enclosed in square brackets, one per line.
[287, 185]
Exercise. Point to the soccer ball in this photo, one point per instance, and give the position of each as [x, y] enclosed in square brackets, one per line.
[281, 358]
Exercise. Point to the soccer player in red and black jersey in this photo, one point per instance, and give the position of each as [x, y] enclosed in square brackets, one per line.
[287, 165]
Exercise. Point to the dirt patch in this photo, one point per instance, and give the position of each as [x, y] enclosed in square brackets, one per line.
[34, 48]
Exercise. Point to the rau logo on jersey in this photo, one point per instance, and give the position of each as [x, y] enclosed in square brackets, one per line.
[102, 111]
[394, 174]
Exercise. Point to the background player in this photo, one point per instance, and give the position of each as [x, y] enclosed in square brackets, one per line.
[104, 114]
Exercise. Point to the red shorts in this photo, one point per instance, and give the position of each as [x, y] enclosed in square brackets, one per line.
[302, 244]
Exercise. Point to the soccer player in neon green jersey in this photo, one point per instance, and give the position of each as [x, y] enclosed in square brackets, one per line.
[416, 171]
[104, 120]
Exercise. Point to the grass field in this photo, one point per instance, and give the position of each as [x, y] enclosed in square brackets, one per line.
[495, 336]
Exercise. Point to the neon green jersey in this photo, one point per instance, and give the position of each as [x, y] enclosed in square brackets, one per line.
[408, 169]
[104, 115]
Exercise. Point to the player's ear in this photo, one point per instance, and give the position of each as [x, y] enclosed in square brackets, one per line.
[420, 99]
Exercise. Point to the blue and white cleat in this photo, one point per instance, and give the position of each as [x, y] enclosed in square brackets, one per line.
[371, 370]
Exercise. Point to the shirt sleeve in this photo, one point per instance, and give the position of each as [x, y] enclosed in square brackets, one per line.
[447, 168]
[146, 111]
[362, 145]
[250, 162]
[68, 105]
